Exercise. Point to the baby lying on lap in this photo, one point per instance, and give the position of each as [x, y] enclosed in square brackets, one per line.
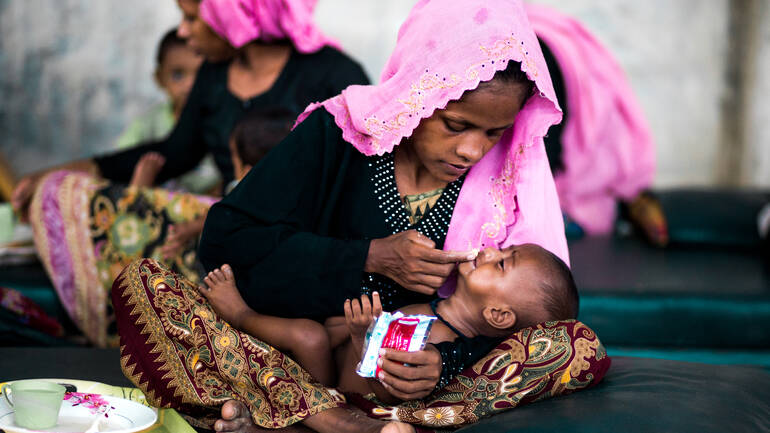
[499, 293]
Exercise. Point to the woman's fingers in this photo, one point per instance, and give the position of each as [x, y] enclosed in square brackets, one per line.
[435, 269]
[431, 281]
[420, 239]
[421, 288]
[426, 363]
[406, 389]
[417, 378]
[439, 256]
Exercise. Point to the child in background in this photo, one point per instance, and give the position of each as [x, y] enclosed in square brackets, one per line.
[175, 71]
[252, 137]
[499, 293]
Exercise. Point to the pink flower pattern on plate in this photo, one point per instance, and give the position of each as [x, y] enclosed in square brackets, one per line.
[95, 402]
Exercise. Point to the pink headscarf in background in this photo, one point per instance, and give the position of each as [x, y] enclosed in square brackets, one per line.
[445, 48]
[608, 150]
[242, 21]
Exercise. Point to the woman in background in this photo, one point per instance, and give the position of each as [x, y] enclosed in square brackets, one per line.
[258, 53]
[603, 151]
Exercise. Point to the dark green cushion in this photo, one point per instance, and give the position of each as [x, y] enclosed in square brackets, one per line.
[32, 281]
[636, 395]
[713, 216]
[636, 295]
[648, 395]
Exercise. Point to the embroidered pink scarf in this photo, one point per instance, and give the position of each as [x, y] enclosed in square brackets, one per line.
[608, 150]
[242, 21]
[445, 48]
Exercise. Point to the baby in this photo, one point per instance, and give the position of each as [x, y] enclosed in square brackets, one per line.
[252, 137]
[176, 67]
[497, 294]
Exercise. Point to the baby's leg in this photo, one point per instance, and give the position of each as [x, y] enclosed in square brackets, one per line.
[337, 328]
[306, 340]
[147, 169]
[224, 297]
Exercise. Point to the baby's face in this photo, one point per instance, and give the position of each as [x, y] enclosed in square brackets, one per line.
[177, 73]
[513, 274]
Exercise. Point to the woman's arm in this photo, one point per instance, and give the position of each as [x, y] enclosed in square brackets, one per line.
[266, 228]
[183, 149]
[22, 192]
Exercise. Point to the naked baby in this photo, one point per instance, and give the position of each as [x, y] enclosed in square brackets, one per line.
[498, 293]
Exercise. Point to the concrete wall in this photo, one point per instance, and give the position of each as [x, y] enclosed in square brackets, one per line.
[756, 167]
[72, 75]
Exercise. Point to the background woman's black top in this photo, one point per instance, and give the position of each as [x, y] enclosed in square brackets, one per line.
[296, 229]
[211, 112]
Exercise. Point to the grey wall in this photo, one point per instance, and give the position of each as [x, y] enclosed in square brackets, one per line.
[73, 72]
[757, 158]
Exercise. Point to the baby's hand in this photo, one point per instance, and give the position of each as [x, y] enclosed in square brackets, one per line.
[359, 315]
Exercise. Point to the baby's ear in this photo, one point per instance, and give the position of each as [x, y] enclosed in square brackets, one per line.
[500, 317]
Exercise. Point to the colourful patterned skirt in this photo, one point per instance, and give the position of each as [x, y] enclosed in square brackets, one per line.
[87, 230]
[175, 349]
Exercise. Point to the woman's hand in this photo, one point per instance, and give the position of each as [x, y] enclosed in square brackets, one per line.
[410, 375]
[22, 195]
[412, 260]
[180, 236]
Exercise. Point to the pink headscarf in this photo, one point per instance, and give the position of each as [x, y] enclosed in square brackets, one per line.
[608, 150]
[242, 21]
[445, 48]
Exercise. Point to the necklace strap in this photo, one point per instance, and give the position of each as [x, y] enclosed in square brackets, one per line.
[433, 308]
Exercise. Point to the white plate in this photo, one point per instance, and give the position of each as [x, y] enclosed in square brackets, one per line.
[123, 416]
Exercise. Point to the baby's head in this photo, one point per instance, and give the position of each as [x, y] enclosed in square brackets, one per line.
[176, 67]
[258, 131]
[517, 287]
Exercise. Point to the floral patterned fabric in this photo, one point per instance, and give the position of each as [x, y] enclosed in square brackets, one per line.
[552, 359]
[87, 230]
[29, 313]
[181, 355]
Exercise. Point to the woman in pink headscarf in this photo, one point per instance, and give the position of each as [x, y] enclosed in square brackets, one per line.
[265, 54]
[603, 152]
[381, 188]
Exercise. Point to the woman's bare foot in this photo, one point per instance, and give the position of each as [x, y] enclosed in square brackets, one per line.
[646, 213]
[398, 427]
[147, 169]
[224, 296]
[236, 419]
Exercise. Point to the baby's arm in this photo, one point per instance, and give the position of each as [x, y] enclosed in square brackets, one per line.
[306, 340]
[337, 328]
[359, 316]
